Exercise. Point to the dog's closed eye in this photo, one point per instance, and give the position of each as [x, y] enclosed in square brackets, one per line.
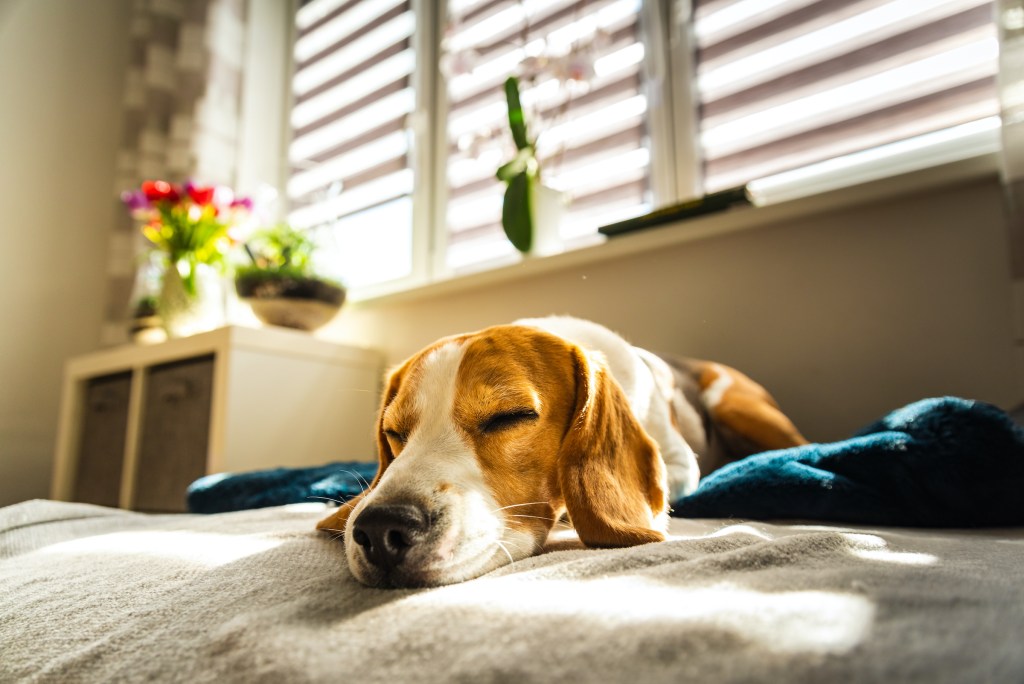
[508, 419]
[395, 435]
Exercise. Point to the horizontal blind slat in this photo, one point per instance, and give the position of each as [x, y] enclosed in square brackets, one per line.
[504, 22]
[349, 164]
[827, 40]
[354, 53]
[623, 52]
[314, 13]
[377, 192]
[397, 68]
[336, 136]
[350, 149]
[720, 22]
[906, 82]
[811, 80]
[969, 102]
[919, 41]
[359, 18]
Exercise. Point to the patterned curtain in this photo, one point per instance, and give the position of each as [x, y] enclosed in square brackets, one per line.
[181, 117]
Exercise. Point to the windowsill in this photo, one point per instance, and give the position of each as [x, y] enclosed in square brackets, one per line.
[964, 170]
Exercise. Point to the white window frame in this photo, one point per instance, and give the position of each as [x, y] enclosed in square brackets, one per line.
[675, 167]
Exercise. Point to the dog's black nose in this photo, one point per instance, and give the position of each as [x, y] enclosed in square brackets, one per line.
[386, 533]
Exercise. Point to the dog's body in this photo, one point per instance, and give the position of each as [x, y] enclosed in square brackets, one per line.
[486, 439]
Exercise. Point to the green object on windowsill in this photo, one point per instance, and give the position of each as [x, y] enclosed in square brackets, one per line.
[708, 204]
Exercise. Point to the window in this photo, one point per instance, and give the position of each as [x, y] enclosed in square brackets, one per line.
[399, 118]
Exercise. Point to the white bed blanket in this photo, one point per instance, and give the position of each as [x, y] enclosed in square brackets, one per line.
[90, 594]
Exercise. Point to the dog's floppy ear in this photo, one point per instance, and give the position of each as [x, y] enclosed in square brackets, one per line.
[335, 522]
[609, 470]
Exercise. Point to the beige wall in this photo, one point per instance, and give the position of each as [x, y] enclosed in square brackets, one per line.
[61, 72]
[843, 316]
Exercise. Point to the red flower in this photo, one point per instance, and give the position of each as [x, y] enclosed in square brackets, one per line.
[160, 191]
[200, 195]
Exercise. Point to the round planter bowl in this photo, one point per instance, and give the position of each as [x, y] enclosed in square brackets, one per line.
[289, 312]
[302, 303]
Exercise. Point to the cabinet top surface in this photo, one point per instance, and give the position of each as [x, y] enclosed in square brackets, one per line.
[281, 341]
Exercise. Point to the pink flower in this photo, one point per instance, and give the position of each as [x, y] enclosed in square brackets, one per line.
[242, 203]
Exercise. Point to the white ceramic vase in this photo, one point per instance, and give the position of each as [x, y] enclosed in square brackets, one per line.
[183, 313]
[549, 207]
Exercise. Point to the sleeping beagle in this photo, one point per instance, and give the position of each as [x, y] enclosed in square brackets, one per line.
[486, 439]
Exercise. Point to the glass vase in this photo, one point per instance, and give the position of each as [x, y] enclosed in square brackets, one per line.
[191, 299]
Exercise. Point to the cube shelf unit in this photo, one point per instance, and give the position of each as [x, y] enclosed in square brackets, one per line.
[139, 423]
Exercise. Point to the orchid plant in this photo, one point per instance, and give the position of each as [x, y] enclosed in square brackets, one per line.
[191, 224]
[519, 175]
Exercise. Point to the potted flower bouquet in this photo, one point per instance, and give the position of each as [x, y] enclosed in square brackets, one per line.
[280, 284]
[192, 227]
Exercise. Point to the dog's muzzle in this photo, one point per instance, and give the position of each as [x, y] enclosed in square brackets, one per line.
[386, 533]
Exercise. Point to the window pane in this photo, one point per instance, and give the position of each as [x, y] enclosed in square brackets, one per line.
[351, 147]
[787, 83]
[375, 246]
[592, 138]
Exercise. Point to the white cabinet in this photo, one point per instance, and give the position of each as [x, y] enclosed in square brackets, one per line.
[139, 423]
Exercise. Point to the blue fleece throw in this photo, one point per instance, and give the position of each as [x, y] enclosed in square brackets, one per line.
[943, 462]
[225, 492]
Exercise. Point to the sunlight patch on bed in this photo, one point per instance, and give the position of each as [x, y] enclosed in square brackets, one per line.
[209, 550]
[871, 547]
[738, 529]
[305, 507]
[786, 622]
[901, 557]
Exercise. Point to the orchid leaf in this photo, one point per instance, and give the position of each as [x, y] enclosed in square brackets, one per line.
[521, 163]
[507, 171]
[517, 214]
[516, 118]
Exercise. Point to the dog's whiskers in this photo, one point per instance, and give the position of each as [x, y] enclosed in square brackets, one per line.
[514, 544]
[359, 478]
[531, 503]
[341, 504]
[326, 498]
[538, 517]
[507, 553]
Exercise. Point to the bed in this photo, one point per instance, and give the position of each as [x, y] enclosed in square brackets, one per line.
[93, 594]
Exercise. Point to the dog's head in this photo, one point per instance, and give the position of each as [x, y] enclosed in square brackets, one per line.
[484, 441]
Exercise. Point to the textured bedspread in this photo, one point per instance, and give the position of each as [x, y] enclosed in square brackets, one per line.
[89, 594]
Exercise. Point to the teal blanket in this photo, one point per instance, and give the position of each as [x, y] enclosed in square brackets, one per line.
[944, 462]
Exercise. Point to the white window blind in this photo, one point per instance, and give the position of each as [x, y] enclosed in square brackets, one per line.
[787, 83]
[593, 136]
[351, 148]
[781, 86]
